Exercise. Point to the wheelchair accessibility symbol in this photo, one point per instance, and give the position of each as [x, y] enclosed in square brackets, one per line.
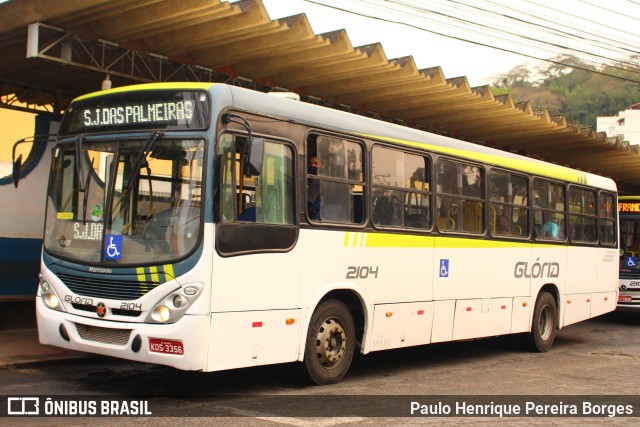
[632, 262]
[113, 247]
[444, 268]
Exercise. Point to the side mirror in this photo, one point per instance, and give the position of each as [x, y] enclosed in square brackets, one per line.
[254, 152]
[17, 161]
[17, 166]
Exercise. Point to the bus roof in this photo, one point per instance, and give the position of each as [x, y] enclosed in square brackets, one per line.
[365, 127]
[383, 131]
[148, 86]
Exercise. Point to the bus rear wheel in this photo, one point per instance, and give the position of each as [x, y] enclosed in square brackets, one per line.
[330, 343]
[545, 321]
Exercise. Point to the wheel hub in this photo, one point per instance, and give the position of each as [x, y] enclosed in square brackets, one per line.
[331, 343]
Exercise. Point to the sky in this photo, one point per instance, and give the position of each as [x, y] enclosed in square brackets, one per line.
[598, 31]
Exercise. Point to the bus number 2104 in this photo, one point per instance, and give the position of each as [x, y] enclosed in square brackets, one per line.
[361, 272]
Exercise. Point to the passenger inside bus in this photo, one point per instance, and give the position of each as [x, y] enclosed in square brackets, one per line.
[313, 189]
[444, 221]
[248, 214]
[334, 180]
[502, 225]
[550, 227]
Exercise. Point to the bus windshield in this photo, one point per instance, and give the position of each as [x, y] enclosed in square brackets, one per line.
[129, 201]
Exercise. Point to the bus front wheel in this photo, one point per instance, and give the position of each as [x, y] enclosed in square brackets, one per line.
[543, 326]
[330, 343]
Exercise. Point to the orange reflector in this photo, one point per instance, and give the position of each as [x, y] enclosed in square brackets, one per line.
[568, 301]
[290, 321]
[256, 325]
[468, 308]
[420, 312]
[606, 298]
[389, 314]
[524, 304]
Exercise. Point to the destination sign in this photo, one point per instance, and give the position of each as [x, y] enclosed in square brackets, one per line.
[629, 207]
[167, 109]
[176, 112]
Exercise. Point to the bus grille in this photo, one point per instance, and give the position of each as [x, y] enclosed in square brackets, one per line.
[629, 274]
[103, 335]
[104, 288]
[115, 311]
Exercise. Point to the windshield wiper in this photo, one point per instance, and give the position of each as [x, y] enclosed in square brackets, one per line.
[83, 183]
[148, 147]
[79, 168]
[87, 182]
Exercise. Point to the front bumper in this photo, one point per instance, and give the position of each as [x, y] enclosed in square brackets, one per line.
[118, 339]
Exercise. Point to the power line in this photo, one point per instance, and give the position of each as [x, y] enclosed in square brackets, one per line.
[518, 20]
[473, 42]
[568, 25]
[608, 10]
[598, 23]
[534, 38]
[493, 25]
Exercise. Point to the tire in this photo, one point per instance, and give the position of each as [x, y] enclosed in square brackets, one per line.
[330, 343]
[544, 324]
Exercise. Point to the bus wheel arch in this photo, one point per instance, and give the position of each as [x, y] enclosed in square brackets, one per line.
[545, 320]
[335, 332]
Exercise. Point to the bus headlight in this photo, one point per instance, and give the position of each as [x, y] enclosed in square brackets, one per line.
[52, 301]
[178, 301]
[172, 307]
[162, 313]
[49, 296]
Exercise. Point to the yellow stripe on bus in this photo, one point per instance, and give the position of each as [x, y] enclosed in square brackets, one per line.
[154, 274]
[168, 272]
[524, 165]
[462, 243]
[142, 280]
[149, 86]
[142, 277]
[384, 240]
[388, 240]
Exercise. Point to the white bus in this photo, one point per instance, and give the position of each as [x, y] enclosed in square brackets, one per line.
[210, 227]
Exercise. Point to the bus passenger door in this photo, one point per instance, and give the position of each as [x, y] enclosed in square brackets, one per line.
[256, 266]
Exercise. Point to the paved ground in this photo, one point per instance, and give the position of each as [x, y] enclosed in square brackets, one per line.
[590, 362]
[20, 347]
[19, 338]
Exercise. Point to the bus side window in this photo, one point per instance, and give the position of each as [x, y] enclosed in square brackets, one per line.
[266, 198]
[227, 170]
[606, 219]
[582, 215]
[400, 195]
[460, 197]
[549, 214]
[508, 199]
[335, 180]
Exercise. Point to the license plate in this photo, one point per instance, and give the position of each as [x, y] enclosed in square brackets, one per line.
[624, 298]
[157, 345]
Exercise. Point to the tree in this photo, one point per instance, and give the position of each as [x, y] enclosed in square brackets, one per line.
[569, 86]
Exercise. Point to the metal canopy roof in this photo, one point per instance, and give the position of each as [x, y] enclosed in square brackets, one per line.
[76, 43]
